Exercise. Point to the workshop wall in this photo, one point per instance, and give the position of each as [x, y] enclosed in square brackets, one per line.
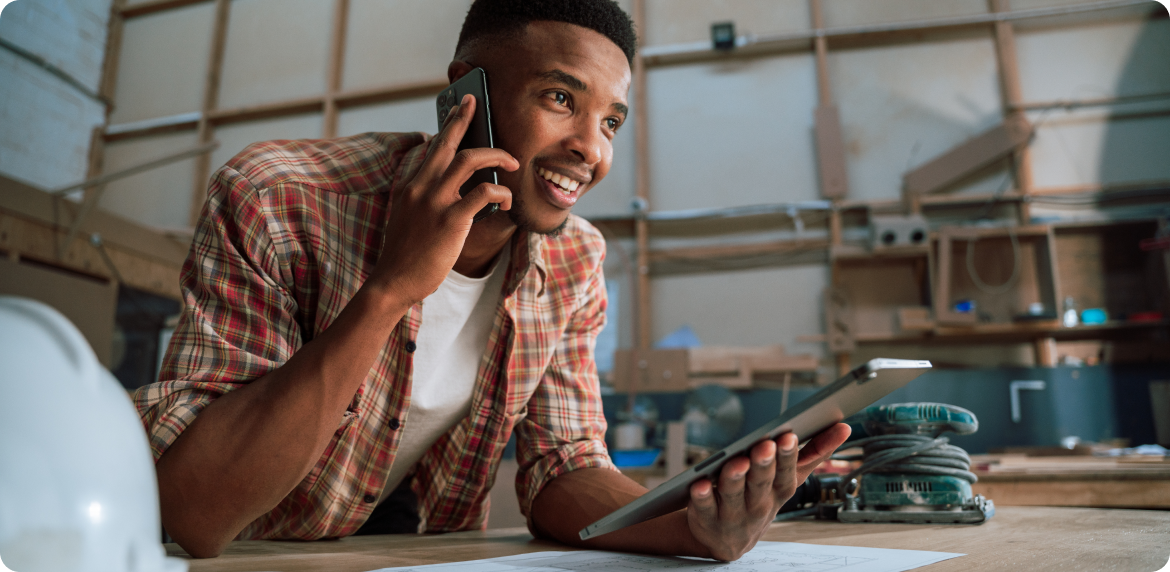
[50, 69]
[724, 133]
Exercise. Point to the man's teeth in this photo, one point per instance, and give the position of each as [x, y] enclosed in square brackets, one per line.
[566, 184]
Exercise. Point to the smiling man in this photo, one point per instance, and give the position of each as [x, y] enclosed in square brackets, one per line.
[354, 353]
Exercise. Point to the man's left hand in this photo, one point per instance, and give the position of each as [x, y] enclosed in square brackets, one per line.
[731, 517]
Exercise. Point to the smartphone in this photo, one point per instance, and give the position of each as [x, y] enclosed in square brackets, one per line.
[479, 133]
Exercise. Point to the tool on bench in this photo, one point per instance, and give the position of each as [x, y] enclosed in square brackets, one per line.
[908, 473]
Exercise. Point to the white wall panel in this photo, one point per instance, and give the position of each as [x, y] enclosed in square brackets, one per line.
[839, 13]
[904, 104]
[676, 21]
[163, 63]
[276, 50]
[396, 117]
[233, 138]
[160, 197]
[400, 41]
[732, 134]
[45, 125]
[755, 307]
[70, 34]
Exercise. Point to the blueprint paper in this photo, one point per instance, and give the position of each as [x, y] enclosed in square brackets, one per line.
[765, 557]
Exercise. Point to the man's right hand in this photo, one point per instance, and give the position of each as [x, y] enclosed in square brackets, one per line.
[428, 221]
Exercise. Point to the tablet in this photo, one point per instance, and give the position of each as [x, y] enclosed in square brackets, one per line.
[833, 403]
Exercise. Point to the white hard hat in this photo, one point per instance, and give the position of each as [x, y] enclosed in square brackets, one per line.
[77, 484]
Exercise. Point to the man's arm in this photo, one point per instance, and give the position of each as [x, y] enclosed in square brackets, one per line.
[721, 522]
[250, 447]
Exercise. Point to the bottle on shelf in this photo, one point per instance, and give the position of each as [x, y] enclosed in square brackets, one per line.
[1070, 313]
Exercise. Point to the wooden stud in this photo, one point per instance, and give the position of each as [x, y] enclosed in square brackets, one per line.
[1009, 73]
[642, 187]
[336, 65]
[210, 102]
[113, 56]
[1045, 352]
[969, 156]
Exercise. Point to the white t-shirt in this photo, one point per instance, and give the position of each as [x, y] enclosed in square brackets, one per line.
[452, 337]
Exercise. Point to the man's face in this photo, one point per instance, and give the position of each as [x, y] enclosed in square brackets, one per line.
[558, 96]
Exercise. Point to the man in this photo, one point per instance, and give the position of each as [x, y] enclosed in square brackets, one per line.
[355, 353]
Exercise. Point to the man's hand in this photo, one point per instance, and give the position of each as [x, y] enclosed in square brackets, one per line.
[428, 221]
[730, 518]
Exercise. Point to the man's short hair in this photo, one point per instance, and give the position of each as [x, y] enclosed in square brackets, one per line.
[490, 19]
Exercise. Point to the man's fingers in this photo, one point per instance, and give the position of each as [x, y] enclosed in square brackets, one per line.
[785, 483]
[731, 489]
[468, 161]
[760, 477]
[824, 444]
[482, 195]
[446, 142]
[703, 502]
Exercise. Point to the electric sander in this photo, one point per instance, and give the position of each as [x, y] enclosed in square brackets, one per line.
[908, 472]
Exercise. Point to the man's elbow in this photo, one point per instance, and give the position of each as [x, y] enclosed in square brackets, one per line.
[199, 543]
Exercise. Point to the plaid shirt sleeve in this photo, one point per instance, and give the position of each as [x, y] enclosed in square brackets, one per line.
[564, 429]
[238, 321]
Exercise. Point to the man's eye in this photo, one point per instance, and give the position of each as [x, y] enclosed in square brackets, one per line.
[612, 123]
[560, 98]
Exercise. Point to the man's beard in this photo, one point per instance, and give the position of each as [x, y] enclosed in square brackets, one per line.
[519, 216]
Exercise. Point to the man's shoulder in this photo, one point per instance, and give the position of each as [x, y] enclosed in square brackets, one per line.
[344, 165]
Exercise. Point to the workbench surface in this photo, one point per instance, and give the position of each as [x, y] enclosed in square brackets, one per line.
[1017, 538]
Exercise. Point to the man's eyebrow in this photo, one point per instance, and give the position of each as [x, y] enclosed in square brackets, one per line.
[621, 108]
[561, 76]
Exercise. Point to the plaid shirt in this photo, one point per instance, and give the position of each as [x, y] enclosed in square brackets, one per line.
[288, 234]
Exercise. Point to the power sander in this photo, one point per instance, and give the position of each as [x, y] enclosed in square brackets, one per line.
[908, 473]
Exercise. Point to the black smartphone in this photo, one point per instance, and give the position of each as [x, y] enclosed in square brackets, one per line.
[479, 133]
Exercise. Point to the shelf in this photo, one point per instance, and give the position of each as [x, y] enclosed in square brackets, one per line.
[1009, 332]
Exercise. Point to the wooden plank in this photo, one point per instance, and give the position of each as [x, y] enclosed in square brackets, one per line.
[336, 66]
[21, 200]
[1009, 73]
[643, 322]
[1146, 494]
[266, 110]
[969, 156]
[113, 55]
[735, 250]
[143, 8]
[34, 240]
[830, 152]
[1035, 538]
[206, 130]
[374, 95]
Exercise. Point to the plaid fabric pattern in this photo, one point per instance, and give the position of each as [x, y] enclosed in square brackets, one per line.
[289, 232]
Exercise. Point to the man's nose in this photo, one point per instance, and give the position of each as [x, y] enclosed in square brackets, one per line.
[587, 142]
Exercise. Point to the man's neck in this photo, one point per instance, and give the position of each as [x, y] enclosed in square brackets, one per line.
[484, 242]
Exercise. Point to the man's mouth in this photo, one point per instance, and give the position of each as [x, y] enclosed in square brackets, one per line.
[565, 184]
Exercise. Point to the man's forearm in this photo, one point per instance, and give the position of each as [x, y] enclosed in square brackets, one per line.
[248, 449]
[575, 500]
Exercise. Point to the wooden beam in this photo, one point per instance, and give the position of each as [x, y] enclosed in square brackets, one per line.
[206, 131]
[643, 323]
[1009, 74]
[336, 65]
[738, 250]
[113, 55]
[700, 51]
[153, 6]
[969, 156]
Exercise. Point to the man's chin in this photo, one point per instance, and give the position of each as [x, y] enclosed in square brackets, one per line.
[528, 224]
[524, 220]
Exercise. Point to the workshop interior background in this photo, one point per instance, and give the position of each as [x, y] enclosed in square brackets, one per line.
[752, 225]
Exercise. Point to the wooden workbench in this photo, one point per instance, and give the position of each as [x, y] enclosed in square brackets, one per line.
[1017, 538]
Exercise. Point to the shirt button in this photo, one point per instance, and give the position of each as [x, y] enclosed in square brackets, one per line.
[369, 498]
[394, 424]
[411, 346]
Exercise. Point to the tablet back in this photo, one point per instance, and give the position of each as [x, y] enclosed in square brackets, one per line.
[833, 403]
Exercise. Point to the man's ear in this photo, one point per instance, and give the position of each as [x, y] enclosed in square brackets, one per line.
[458, 69]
